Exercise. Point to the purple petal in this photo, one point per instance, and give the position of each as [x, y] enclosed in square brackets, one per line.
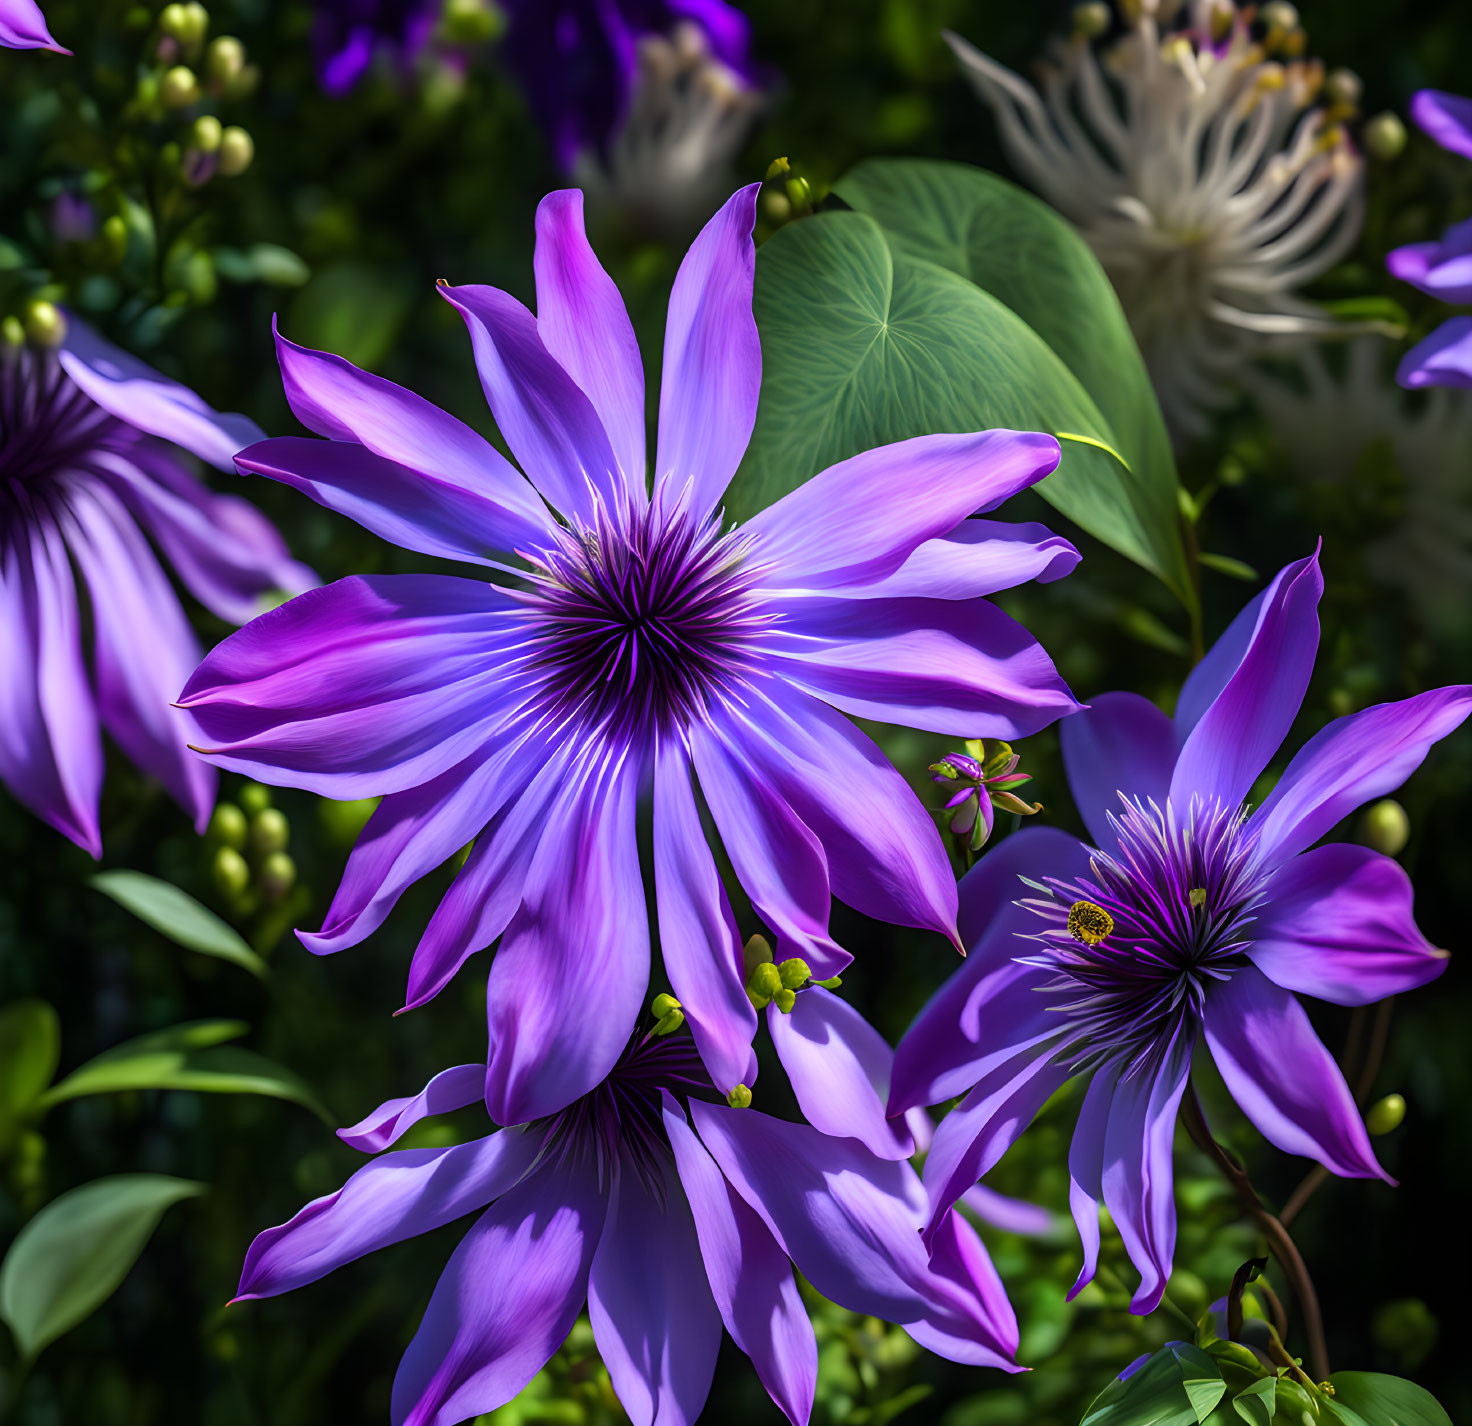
[398, 1196]
[864, 518]
[749, 1275]
[50, 746]
[23, 27]
[839, 1066]
[580, 938]
[712, 359]
[137, 395]
[1443, 268]
[1286, 1082]
[850, 1223]
[776, 857]
[368, 686]
[1011, 1215]
[1119, 744]
[145, 647]
[653, 1316]
[451, 1089]
[1442, 359]
[883, 852]
[989, 1009]
[584, 325]
[1355, 759]
[1446, 117]
[956, 667]
[1086, 1173]
[697, 932]
[1336, 924]
[507, 1300]
[958, 1257]
[550, 425]
[1249, 717]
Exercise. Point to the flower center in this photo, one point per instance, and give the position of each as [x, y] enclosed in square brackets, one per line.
[641, 619]
[1133, 948]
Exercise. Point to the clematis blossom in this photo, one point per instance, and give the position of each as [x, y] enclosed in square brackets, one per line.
[671, 1215]
[1442, 268]
[23, 27]
[633, 645]
[1191, 923]
[91, 476]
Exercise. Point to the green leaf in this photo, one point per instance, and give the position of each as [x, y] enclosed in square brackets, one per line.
[30, 1049]
[1377, 1400]
[353, 309]
[1179, 1386]
[191, 1056]
[1018, 249]
[69, 1259]
[1256, 1404]
[262, 262]
[1225, 564]
[177, 915]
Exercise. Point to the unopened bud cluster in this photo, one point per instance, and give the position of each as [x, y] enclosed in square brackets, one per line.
[770, 982]
[248, 840]
[981, 781]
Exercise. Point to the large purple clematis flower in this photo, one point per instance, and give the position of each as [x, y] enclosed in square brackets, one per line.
[23, 27]
[671, 1215]
[89, 474]
[1443, 268]
[640, 641]
[1189, 921]
[349, 34]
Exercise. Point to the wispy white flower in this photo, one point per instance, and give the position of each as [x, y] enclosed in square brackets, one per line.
[1206, 163]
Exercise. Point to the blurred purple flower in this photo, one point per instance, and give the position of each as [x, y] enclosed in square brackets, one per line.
[1188, 919]
[23, 27]
[671, 1216]
[1443, 268]
[350, 34]
[88, 475]
[639, 641]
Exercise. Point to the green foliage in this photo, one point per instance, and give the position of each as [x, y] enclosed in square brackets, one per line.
[177, 915]
[30, 1050]
[1370, 1399]
[69, 1259]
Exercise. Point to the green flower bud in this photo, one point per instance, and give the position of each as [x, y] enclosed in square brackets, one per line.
[799, 193]
[207, 133]
[662, 1005]
[1091, 20]
[237, 149]
[269, 832]
[1385, 136]
[832, 983]
[471, 22]
[784, 1000]
[778, 168]
[278, 875]
[755, 953]
[765, 980]
[178, 89]
[1385, 827]
[1386, 1114]
[174, 21]
[224, 59]
[228, 826]
[254, 798]
[1279, 15]
[1343, 87]
[776, 206]
[795, 973]
[115, 237]
[230, 873]
[196, 23]
[45, 324]
[13, 332]
[739, 1097]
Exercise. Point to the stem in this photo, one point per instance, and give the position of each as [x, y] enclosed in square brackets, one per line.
[1281, 1244]
[1275, 1305]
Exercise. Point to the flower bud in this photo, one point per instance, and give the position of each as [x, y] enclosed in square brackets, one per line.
[832, 983]
[799, 193]
[471, 22]
[1386, 1114]
[45, 324]
[765, 981]
[1092, 19]
[228, 826]
[173, 21]
[230, 872]
[207, 133]
[1385, 827]
[795, 973]
[237, 149]
[254, 798]
[178, 89]
[1385, 136]
[224, 59]
[115, 238]
[662, 1005]
[278, 875]
[269, 832]
[756, 951]
[784, 1000]
[1343, 87]
[739, 1097]
[13, 332]
[778, 168]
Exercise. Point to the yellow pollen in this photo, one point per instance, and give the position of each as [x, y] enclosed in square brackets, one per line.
[1089, 923]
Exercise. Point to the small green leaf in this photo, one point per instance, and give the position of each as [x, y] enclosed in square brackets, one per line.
[177, 915]
[69, 1259]
[1225, 564]
[30, 1048]
[192, 1057]
[1256, 1404]
[1385, 314]
[1378, 1400]
[1179, 1386]
[262, 262]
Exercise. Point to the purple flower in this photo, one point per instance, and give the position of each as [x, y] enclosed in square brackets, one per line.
[23, 27]
[638, 641]
[1189, 920]
[89, 476]
[671, 1215]
[349, 34]
[1444, 268]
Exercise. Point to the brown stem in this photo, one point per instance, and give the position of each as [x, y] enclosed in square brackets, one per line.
[1279, 1241]
[1275, 1305]
[1310, 1184]
[1375, 1055]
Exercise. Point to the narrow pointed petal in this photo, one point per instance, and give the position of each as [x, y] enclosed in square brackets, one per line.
[550, 425]
[653, 1316]
[1286, 1082]
[1247, 720]
[580, 938]
[133, 392]
[389, 1199]
[1119, 744]
[1086, 1171]
[1447, 118]
[839, 1066]
[1336, 924]
[451, 1089]
[1355, 759]
[959, 1258]
[584, 325]
[893, 499]
[749, 1275]
[1442, 359]
[697, 932]
[712, 359]
[506, 1301]
[23, 27]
